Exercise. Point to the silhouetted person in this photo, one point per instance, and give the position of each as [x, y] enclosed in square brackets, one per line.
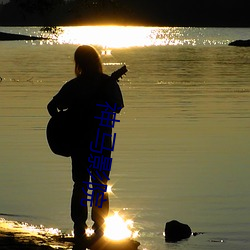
[81, 96]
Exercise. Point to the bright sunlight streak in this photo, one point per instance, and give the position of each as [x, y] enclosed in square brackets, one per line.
[109, 189]
[119, 229]
[107, 36]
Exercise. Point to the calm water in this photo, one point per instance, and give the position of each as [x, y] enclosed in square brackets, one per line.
[182, 147]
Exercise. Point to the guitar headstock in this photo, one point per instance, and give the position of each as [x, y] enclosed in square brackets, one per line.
[119, 73]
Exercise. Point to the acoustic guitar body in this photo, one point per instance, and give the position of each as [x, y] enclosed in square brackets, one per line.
[59, 133]
[61, 129]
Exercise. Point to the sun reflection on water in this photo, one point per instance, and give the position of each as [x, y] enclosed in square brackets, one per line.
[128, 36]
[107, 36]
[119, 229]
[116, 228]
[28, 228]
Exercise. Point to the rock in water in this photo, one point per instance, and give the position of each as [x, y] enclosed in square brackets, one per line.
[240, 43]
[176, 231]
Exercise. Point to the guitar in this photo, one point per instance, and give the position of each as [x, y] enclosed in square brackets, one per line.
[60, 127]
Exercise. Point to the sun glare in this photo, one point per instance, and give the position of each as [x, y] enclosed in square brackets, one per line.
[109, 189]
[110, 37]
[106, 36]
[119, 229]
[89, 232]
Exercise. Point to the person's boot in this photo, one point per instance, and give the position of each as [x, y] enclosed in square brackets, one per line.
[99, 230]
[80, 237]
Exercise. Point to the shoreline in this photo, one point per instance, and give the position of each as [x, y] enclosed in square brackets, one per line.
[16, 235]
[19, 235]
[17, 37]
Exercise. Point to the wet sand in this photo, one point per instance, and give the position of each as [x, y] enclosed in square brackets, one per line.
[15, 240]
[16, 235]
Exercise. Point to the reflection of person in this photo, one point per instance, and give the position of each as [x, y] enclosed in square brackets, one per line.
[81, 96]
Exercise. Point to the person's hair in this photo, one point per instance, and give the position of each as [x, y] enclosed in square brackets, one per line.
[87, 60]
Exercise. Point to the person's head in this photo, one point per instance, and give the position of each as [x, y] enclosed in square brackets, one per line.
[87, 60]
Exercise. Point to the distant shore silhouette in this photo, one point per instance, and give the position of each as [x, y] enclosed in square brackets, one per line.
[14, 37]
[118, 12]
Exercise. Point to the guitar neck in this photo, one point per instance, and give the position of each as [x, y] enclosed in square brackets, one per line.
[119, 73]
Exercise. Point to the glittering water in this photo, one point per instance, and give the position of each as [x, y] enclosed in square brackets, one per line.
[182, 147]
[123, 36]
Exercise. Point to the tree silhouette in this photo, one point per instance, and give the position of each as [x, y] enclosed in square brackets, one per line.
[37, 6]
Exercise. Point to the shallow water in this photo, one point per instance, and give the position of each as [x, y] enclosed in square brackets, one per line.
[182, 147]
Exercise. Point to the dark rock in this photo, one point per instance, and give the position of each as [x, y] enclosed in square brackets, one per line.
[197, 233]
[14, 37]
[176, 231]
[240, 43]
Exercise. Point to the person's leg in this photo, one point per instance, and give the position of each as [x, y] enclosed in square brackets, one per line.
[101, 211]
[100, 208]
[79, 209]
[79, 212]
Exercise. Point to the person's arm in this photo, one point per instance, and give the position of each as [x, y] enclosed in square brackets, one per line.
[52, 108]
[61, 100]
[115, 95]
